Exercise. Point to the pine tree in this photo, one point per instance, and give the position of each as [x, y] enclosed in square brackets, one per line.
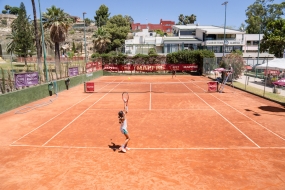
[24, 38]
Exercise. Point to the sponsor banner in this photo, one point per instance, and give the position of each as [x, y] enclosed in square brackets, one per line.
[26, 79]
[271, 72]
[93, 66]
[73, 71]
[89, 87]
[182, 67]
[111, 67]
[126, 67]
[151, 67]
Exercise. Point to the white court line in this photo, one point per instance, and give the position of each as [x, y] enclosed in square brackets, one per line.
[247, 116]
[154, 148]
[149, 96]
[222, 116]
[148, 109]
[78, 116]
[55, 117]
[250, 118]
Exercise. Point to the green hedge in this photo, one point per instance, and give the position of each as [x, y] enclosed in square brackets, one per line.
[15, 99]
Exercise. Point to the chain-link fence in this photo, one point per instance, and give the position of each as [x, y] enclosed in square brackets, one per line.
[47, 71]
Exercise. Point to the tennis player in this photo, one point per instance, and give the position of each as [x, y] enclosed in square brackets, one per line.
[173, 73]
[124, 128]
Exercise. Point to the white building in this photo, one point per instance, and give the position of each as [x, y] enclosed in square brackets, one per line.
[195, 37]
[142, 42]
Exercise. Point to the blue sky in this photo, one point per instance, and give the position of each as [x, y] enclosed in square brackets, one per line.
[208, 12]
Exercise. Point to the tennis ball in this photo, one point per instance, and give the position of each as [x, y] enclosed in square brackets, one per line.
[129, 78]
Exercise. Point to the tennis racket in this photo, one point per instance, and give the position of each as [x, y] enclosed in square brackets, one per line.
[125, 97]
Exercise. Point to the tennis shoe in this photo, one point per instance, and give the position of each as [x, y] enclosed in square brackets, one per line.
[122, 149]
[127, 148]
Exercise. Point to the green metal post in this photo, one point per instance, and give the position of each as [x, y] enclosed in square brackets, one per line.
[43, 43]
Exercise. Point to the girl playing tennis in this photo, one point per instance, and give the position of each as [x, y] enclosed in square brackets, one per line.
[124, 128]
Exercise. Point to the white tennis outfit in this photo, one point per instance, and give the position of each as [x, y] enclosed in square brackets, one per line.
[124, 127]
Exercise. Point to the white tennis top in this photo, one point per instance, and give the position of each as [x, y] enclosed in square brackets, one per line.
[124, 125]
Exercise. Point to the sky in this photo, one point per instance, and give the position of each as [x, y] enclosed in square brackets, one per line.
[208, 12]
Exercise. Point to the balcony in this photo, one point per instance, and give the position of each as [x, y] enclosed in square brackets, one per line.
[221, 42]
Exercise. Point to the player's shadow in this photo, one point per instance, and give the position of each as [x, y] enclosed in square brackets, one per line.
[254, 113]
[114, 146]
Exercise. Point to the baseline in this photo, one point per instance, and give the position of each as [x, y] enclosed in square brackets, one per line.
[154, 148]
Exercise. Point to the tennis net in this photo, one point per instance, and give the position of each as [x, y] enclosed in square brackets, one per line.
[154, 87]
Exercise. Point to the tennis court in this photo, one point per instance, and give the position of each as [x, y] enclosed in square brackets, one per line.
[182, 137]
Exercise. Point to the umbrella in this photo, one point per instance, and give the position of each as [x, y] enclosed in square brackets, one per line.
[220, 69]
[248, 67]
[280, 82]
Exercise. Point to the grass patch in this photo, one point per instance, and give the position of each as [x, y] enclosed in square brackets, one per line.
[269, 95]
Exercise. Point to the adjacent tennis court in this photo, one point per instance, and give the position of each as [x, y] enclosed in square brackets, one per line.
[181, 137]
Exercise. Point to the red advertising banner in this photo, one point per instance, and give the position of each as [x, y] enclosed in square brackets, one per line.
[93, 66]
[182, 67]
[151, 67]
[271, 72]
[89, 87]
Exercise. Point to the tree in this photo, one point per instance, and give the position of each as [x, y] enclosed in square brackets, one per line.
[118, 27]
[183, 20]
[102, 16]
[180, 19]
[14, 10]
[102, 39]
[4, 11]
[73, 47]
[47, 42]
[11, 46]
[160, 32]
[21, 29]
[130, 20]
[260, 13]
[235, 60]
[87, 21]
[274, 38]
[37, 37]
[192, 18]
[58, 23]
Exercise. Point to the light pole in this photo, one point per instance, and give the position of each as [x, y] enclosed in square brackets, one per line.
[84, 38]
[225, 3]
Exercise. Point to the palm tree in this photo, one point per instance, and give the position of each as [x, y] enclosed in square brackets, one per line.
[181, 19]
[48, 42]
[58, 23]
[102, 39]
[37, 37]
[192, 18]
[12, 44]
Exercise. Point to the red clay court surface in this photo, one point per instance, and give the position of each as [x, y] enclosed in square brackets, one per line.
[182, 137]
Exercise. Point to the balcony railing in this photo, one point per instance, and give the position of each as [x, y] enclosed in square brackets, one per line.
[221, 42]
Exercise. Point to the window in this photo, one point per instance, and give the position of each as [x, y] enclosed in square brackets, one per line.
[248, 43]
[210, 37]
[255, 43]
[228, 49]
[217, 49]
[185, 33]
[221, 36]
